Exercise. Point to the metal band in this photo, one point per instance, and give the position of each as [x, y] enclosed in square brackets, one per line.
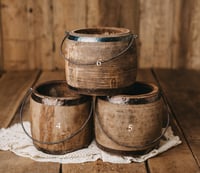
[101, 39]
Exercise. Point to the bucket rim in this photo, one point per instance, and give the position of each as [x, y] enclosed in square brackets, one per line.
[73, 96]
[100, 34]
[143, 98]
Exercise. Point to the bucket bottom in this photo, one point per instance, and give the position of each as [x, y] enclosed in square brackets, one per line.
[59, 152]
[127, 153]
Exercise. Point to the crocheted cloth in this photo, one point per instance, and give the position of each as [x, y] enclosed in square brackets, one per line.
[14, 139]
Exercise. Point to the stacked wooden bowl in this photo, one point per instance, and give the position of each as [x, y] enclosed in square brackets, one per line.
[101, 68]
[102, 62]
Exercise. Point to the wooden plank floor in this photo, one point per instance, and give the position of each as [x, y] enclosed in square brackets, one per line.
[181, 89]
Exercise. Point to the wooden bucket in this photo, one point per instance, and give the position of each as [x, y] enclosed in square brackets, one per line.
[60, 120]
[100, 61]
[130, 123]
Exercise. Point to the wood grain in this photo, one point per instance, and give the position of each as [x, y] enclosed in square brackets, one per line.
[14, 41]
[44, 77]
[158, 33]
[13, 87]
[168, 31]
[173, 160]
[178, 159]
[43, 33]
[30, 46]
[25, 164]
[182, 88]
[103, 167]
[190, 43]
[119, 13]
[13, 164]
[1, 40]
[100, 166]
[67, 15]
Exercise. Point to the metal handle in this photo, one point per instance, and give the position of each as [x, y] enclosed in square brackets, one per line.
[125, 145]
[100, 61]
[30, 91]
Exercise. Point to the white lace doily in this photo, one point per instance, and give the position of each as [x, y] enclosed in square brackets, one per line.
[14, 139]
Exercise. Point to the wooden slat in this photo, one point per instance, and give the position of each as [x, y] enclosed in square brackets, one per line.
[159, 33]
[67, 15]
[99, 166]
[13, 164]
[190, 51]
[13, 86]
[42, 15]
[30, 45]
[119, 13]
[13, 15]
[184, 98]
[1, 40]
[168, 31]
[179, 159]
[51, 75]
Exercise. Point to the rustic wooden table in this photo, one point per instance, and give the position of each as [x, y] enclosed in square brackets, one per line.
[181, 88]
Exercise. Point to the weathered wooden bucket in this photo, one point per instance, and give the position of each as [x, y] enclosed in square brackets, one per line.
[130, 123]
[60, 121]
[100, 61]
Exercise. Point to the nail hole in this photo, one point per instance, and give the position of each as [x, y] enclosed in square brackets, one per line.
[30, 10]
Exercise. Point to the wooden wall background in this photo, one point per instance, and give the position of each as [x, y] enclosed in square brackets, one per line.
[31, 30]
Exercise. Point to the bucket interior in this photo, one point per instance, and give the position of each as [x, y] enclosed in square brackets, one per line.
[55, 89]
[102, 31]
[138, 89]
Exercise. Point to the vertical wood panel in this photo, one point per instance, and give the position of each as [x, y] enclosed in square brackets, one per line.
[190, 45]
[93, 13]
[1, 44]
[158, 27]
[119, 13]
[32, 30]
[14, 29]
[43, 33]
[67, 15]
[27, 33]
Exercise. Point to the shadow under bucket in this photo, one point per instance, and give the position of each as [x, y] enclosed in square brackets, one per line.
[60, 120]
[130, 123]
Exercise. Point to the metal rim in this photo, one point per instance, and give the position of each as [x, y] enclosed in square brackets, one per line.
[100, 34]
[130, 38]
[146, 97]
